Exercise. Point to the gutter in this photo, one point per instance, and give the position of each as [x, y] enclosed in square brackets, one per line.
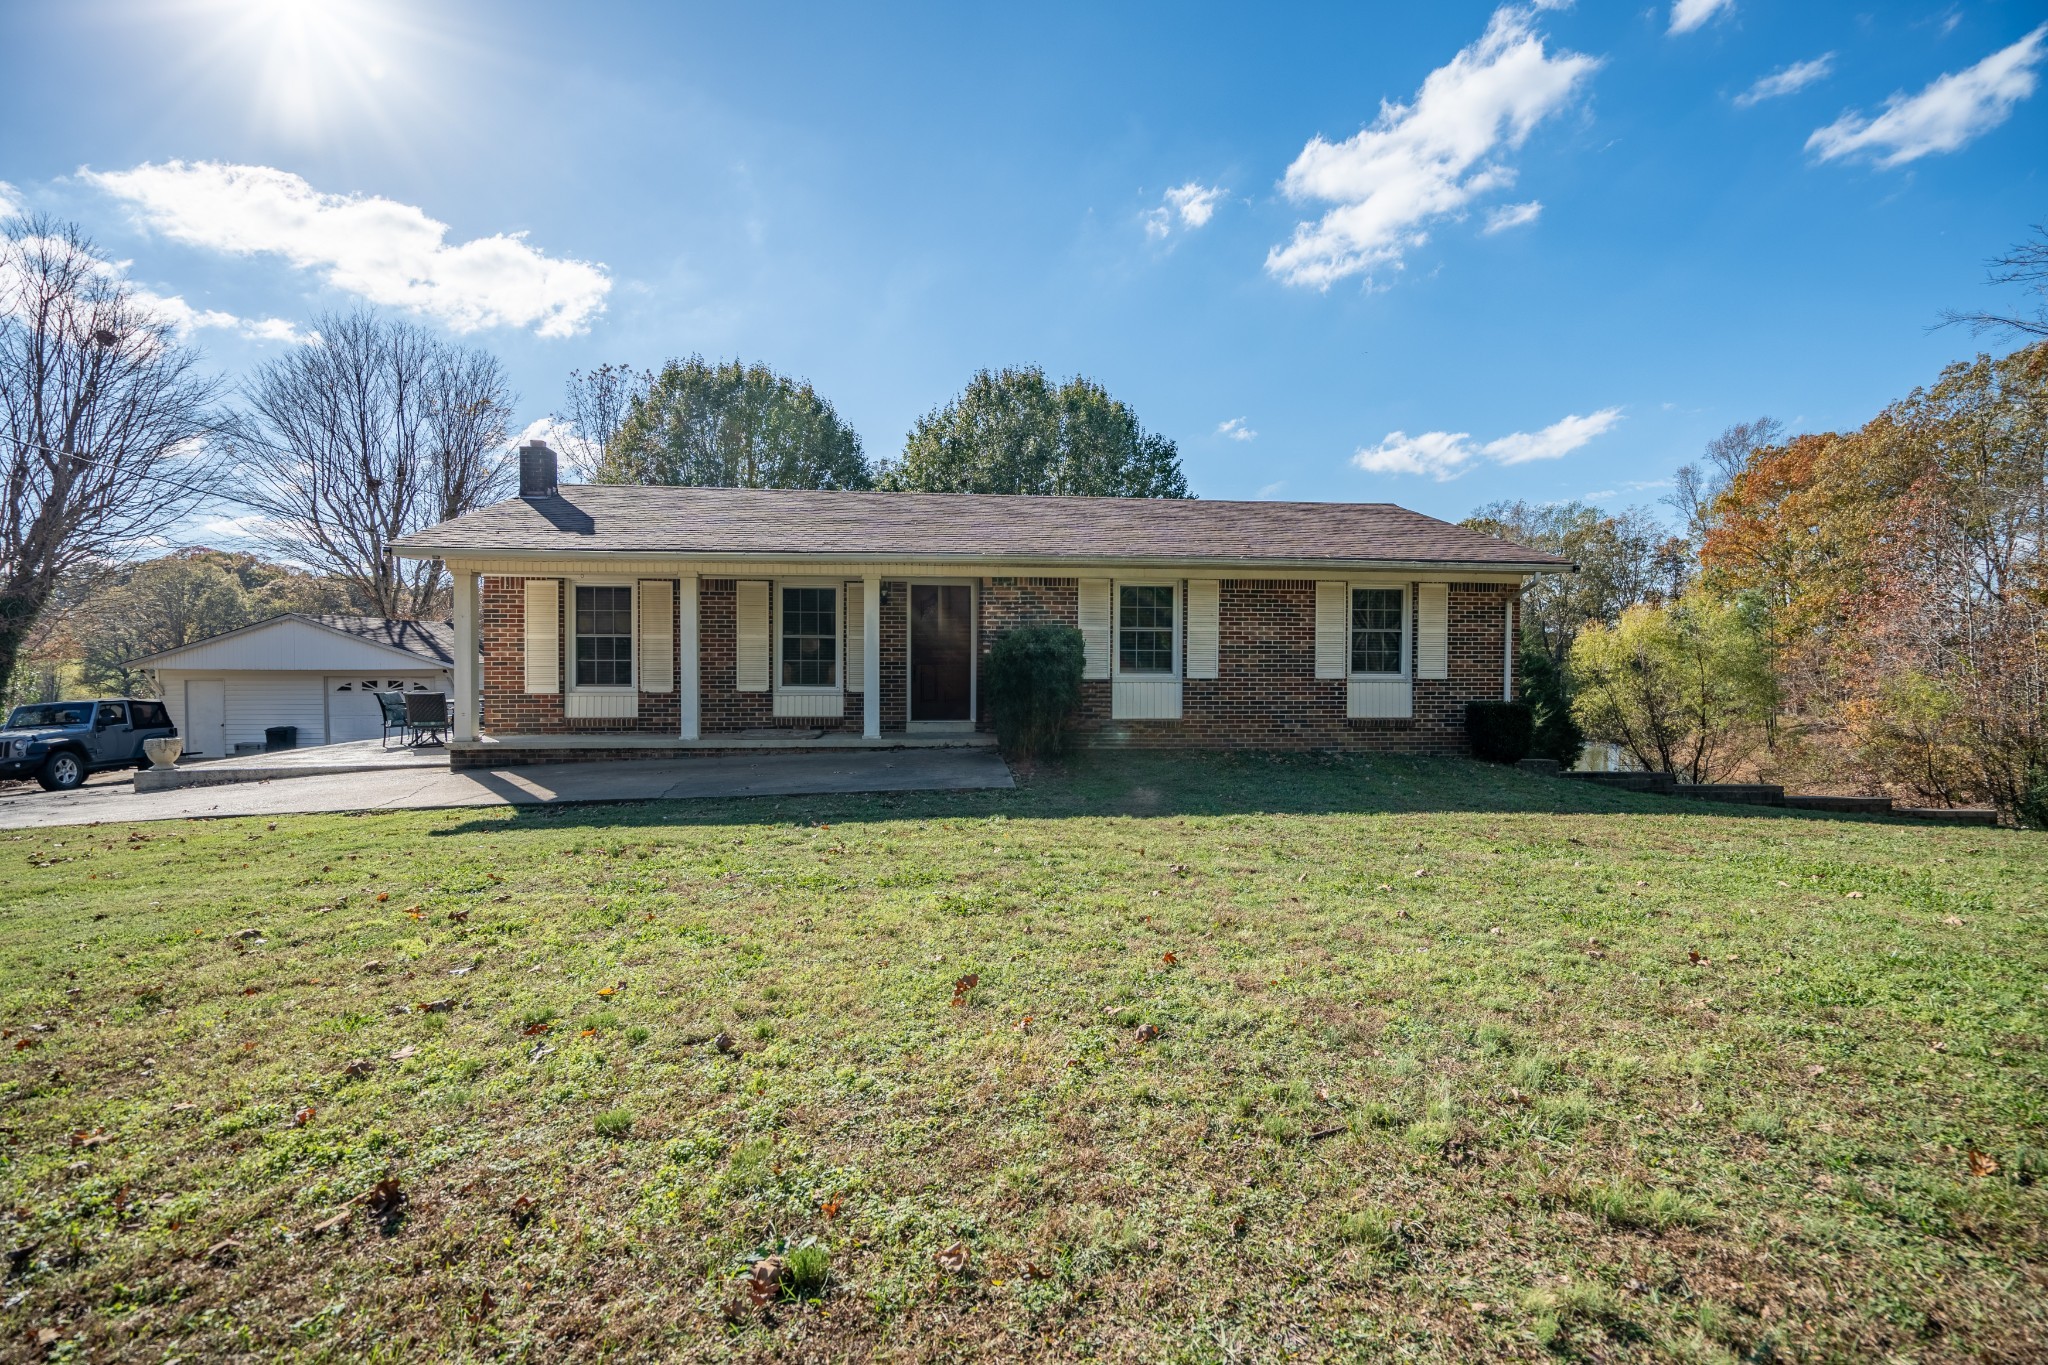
[1244, 566]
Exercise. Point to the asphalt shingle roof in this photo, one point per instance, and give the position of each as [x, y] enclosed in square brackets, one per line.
[605, 519]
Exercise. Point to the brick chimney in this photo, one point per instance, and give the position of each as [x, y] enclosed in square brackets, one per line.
[536, 470]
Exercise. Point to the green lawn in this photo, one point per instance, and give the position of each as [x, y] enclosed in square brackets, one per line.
[1450, 1063]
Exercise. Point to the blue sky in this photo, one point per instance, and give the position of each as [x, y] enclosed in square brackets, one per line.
[1431, 254]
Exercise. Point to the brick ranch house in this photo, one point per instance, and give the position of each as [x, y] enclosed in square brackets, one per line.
[635, 621]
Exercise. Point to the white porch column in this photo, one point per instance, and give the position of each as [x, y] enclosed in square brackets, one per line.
[465, 655]
[687, 678]
[871, 657]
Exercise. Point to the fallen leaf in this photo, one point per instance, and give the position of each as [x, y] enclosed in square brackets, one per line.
[608, 991]
[415, 910]
[436, 1006]
[764, 1281]
[89, 1140]
[1170, 958]
[1982, 1164]
[485, 1306]
[223, 1252]
[403, 1053]
[383, 1198]
[830, 1208]
[383, 896]
[954, 1259]
[1147, 1032]
[588, 1033]
[1951, 919]
[1033, 1271]
[723, 1042]
[1855, 895]
[357, 1069]
[1692, 954]
[535, 1030]
[252, 990]
[23, 1044]
[460, 917]
[1023, 1025]
[303, 1117]
[248, 1047]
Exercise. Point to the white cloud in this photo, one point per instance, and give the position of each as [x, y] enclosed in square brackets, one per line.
[1943, 117]
[1193, 203]
[187, 319]
[380, 250]
[1513, 216]
[1423, 161]
[1272, 490]
[1687, 15]
[11, 201]
[1236, 430]
[1787, 79]
[1444, 455]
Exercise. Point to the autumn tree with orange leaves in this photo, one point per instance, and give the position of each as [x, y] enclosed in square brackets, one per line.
[1904, 568]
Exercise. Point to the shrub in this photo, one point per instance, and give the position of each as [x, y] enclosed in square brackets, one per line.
[1034, 684]
[1500, 731]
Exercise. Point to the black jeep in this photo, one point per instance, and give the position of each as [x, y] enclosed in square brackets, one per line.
[59, 742]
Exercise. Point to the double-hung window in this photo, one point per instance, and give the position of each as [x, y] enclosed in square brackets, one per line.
[1145, 634]
[809, 638]
[604, 635]
[1379, 632]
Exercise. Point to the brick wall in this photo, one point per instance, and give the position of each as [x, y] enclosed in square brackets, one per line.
[507, 706]
[1266, 697]
[1266, 694]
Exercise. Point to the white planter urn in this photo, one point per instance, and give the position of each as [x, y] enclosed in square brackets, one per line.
[164, 750]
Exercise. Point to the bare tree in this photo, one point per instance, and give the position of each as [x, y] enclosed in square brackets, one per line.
[594, 408]
[1696, 486]
[2026, 265]
[378, 430]
[103, 419]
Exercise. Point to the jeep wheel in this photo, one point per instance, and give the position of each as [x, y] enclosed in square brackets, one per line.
[62, 771]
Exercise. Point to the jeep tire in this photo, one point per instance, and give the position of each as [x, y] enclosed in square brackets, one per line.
[61, 771]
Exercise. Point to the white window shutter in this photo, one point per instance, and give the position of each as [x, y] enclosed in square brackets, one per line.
[543, 635]
[1333, 630]
[657, 643]
[1433, 630]
[752, 651]
[853, 629]
[1094, 614]
[1204, 629]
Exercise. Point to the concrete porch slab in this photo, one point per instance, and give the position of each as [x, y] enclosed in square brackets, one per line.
[320, 760]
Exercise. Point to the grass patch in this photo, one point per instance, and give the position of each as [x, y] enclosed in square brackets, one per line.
[1638, 1076]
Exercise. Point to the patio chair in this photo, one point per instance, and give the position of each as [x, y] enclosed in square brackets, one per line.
[394, 708]
[426, 713]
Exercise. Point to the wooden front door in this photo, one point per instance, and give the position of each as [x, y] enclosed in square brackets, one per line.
[941, 651]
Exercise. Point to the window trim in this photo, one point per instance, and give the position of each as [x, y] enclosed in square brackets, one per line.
[1351, 591]
[570, 635]
[1116, 628]
[838, 590]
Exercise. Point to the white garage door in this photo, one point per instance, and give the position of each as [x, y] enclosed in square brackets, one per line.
[352, 708]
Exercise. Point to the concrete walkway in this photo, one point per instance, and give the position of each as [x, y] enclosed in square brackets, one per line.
[887, 770]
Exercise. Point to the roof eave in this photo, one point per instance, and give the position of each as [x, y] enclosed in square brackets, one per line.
[1248, 566]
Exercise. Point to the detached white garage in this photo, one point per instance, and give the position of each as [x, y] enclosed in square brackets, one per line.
[317, 673]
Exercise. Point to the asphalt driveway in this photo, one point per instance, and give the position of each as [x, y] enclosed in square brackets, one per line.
[883, 770]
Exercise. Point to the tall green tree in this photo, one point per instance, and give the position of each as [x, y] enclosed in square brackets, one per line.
[729, 425]
[1014, 431]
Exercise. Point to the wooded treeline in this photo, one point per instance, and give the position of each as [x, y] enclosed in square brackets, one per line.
[1859, 610]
